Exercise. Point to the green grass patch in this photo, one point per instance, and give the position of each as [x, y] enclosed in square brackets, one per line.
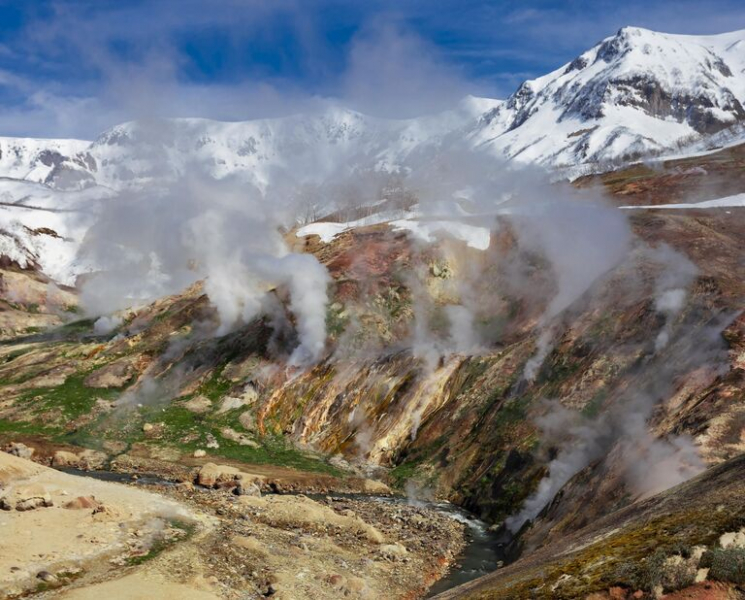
[25, 428]
[78, 326]
[188, 431]
[402, 473]
[592, 408]
[161, 544]
[216, 386]
[72, 397]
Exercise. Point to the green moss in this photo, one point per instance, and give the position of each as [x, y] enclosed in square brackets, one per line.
[337, 319]
[24, 428]
[403, 472]
[79, 326]
[216, 387]
[276, 451]
[11, 356]
[597, 566]
[592, 408]
[72, 397]
[161, 544]
[188, 431]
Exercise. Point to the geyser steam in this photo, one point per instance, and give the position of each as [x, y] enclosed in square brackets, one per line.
[149, 243]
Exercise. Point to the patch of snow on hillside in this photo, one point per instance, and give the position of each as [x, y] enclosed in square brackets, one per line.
[736, 201]
[476, 237]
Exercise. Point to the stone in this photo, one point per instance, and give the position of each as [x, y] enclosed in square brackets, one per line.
[198, 405]
[31, 496]
[733, 539]
[47, 577]
[20, 450]
[247, 421]
[63, 458]
[34, 503]
[92, 459]
[82, 503]
[371, 486]
[148, 427]
[239, 438]
[114, 375]
[393, 552]
[248, 489]
[211, 474]
[199, 453]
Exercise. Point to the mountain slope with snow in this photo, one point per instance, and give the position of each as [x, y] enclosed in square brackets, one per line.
[635, 93]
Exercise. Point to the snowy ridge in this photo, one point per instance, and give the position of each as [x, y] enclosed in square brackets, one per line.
[635, 94]
[43, 161]
[736, 201]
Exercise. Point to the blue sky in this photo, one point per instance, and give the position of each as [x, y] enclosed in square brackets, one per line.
[73, 68]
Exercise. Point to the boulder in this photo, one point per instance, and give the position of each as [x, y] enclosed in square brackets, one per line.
[86, 459]
[248, 489]
[247, 421]
[114, 375]
[20, 450]
[198, 405]
[239, 438]
[83, 503]
[213, 476]
[199, 453]
[32, 496]
[229, 403]
[371, 486]
[92, 459]
[63, 458]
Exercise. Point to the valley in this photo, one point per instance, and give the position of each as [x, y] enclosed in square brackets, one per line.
[315, 356]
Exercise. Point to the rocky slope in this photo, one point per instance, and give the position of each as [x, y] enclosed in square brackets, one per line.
[648, 394]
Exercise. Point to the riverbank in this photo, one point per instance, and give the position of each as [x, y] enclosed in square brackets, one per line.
[237, 542]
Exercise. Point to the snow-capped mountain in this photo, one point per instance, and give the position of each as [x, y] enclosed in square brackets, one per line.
[298, 146]
[45, 161]
[634, 94]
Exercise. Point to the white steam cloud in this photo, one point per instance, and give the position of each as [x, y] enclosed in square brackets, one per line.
[149, 243]
[647, 463]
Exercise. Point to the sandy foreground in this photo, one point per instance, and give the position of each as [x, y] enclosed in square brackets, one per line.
[79, 538]
[81, 523]
[139, 586]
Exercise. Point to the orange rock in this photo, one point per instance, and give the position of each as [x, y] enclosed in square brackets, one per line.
[83, 502]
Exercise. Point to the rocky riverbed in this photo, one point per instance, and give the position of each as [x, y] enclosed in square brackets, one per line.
[219, 532]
